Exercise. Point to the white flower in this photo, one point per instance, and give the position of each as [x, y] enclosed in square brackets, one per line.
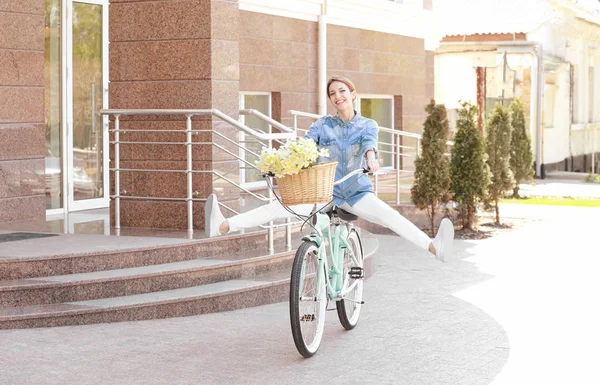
[293, 156]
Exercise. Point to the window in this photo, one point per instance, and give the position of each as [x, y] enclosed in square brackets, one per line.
[261, 102]
[380, 109]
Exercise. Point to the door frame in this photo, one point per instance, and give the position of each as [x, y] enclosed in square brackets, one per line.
[69, 203]
[261, 184]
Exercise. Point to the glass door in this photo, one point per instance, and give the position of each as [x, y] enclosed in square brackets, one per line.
[87, 82]
[381, 110]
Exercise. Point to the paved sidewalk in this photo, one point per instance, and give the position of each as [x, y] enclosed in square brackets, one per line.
[412, 331]
[544, 294]
[519, 308]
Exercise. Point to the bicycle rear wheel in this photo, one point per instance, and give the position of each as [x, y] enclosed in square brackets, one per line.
[349, 309]
[307, 300]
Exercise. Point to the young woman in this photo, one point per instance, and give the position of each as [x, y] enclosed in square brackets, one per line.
[352, 142]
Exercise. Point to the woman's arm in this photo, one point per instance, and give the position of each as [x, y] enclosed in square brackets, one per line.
[314, 132]
[369, 146]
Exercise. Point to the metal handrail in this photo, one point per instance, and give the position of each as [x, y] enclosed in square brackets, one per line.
[286, 133]
[212, 112]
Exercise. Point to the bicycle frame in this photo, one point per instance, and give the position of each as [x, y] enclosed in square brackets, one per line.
[332, 277]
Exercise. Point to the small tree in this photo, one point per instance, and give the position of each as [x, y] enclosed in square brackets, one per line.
[432, 179]
[521, 157]
[498, 150]
[469, 172]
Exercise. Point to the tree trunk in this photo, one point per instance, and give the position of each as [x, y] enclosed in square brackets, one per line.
[432, 219]
[516, 192]
[497, 213]
[469, 217]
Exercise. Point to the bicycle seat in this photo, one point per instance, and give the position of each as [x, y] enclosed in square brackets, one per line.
[344, 215]
[332, 209]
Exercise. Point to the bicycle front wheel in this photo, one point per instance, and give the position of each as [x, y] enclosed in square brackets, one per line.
[348, 309]
[307, 299]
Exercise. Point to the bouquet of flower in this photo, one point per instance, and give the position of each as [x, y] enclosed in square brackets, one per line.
[293, 156]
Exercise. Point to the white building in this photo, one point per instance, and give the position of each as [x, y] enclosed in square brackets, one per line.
[546, 52]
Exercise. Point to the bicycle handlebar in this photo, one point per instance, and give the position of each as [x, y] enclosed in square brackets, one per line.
[345, 178]
[351, 174]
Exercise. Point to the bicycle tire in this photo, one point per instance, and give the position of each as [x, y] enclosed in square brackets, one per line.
[307, 318]
[349, 311]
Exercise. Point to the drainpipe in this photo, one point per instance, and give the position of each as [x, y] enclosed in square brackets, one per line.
[323, 59]
[539, 148]
[537, 80]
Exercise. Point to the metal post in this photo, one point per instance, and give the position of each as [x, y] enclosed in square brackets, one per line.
[418, 146]
[117, 180]
[270, 234]
[296, 124]
[593, 150]
[188, 143]
[288, 234]
[322, 59]
[397, 169]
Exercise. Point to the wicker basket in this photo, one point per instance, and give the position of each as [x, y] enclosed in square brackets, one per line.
[311, 185]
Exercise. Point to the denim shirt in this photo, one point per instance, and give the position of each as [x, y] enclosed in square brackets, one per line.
[347, 142]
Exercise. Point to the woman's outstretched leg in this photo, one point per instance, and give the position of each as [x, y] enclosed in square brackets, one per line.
[216, 224]
[374, 210]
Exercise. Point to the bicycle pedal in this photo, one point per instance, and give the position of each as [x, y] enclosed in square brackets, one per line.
[356, 272]
[307, 318]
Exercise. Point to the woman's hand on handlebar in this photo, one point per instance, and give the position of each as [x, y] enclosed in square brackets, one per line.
[372, 162]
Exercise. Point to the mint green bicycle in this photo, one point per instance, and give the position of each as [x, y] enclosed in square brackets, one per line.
[328, 266]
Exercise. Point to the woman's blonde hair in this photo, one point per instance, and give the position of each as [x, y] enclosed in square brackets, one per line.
[341, 79]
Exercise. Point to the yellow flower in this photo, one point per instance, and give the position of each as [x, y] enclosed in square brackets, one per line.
[293, 156]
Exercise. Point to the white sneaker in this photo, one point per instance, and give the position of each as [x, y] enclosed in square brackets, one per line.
[443, 240]
[212, 216]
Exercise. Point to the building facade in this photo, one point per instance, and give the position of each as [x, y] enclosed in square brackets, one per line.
[547, 55]
[64, 60]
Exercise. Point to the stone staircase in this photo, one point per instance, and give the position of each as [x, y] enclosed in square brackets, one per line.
[140, 283]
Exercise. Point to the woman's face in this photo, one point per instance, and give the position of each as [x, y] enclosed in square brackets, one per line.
[340, 96]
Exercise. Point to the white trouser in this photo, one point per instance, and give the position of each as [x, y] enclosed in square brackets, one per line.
[369, 207]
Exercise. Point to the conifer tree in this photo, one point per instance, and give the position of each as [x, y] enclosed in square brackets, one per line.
[498, 150]
[469, 172]
[521, 157]
[432, 180]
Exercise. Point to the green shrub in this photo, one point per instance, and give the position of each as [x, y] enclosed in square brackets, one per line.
[521, 157]
[498, 150]
[469, 172]
[432, 181]
[592, 178]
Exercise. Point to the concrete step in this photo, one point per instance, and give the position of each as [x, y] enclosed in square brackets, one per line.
[256, 289]
[221, 296]
[47, 257]
[144, 279]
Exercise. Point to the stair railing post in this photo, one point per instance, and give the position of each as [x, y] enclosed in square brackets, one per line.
[117, 177]
[288, 234]
[398, 169]
[188, 143]
[296, 124]
[270, 232]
